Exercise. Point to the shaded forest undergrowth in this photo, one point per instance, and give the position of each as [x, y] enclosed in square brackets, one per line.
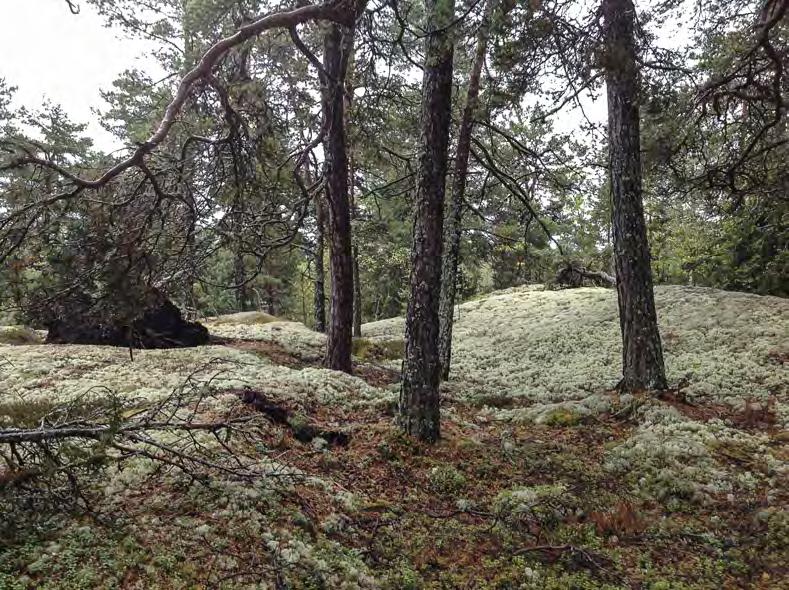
[545, 477]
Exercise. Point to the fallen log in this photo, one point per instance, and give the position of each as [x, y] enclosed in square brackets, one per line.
[574, 275]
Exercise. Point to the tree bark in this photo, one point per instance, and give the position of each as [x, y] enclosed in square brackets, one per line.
[320, 275]
[454, 225]
[338, 42]
[419, 400]
[642, 350]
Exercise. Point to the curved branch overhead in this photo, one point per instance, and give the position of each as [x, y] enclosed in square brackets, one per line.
[338, 11]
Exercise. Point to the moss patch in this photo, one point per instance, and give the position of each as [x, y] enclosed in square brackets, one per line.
[16, 335]
[245, 318]
[368, 350]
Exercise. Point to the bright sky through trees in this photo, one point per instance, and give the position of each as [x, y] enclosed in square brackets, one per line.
[68, 60]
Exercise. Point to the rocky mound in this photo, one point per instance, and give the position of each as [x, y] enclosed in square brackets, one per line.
[160, 325]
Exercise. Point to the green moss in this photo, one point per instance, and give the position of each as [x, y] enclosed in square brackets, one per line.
[378, 350]
[403, 577]
[562, 417]
[25, 414]
[298, 422]
[446, 480]
[776, 525]
[246, 318]
[745, 453]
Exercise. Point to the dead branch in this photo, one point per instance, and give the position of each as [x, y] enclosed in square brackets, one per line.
[583, 556]
[277, 414]
[573, 275]
[109, 430]
[38, 435]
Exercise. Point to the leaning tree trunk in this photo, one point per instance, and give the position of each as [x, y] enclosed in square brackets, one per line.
[419, 401]
[337, 46]
[454, 221]
[642, 350]
[320, 275]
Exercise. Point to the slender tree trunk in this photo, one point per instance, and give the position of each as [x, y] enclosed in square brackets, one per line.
[320, 278]
[453, 226]
[357, 295]
[240, 278]
[337, 46]
[642, 350]
[419, 401]
[357, 286]
[271, 299]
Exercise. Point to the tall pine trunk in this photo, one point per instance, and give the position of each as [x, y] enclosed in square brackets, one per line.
[453, 226]
[642, 350]
[419, 400]
[319, 302]
[337, 45]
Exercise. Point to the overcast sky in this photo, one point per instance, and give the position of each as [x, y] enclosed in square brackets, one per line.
[47, 52]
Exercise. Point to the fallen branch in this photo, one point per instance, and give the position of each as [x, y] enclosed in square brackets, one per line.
[573, 275]
[305, 433]
[100, 420]
[38, 435]
[586, 559]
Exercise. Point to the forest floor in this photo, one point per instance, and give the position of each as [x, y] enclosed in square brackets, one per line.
[545, 477]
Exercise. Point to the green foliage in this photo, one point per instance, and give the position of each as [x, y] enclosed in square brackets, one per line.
[775, 522]
[378, 350]
[403, 578]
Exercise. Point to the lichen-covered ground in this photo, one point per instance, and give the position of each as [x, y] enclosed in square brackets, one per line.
[545, 477]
